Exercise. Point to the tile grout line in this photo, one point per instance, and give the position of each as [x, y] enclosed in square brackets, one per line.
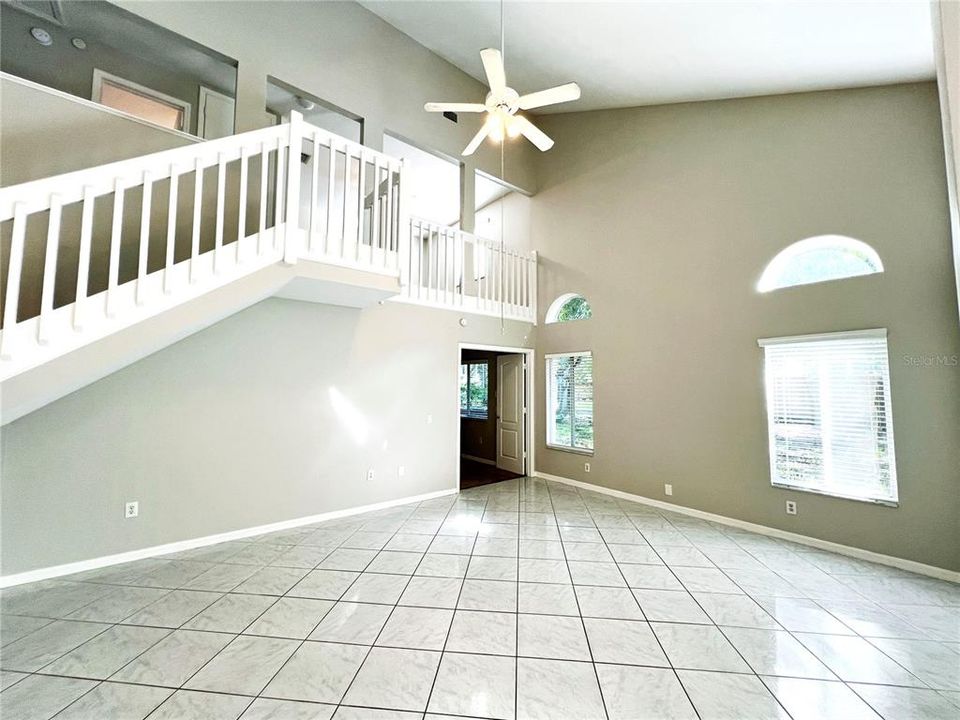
[456, 606]
[639, 606]
[395, 605]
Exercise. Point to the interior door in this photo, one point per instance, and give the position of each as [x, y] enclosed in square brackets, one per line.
[216, 114]
[511, 413]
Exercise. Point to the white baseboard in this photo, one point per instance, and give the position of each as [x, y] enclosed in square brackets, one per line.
[859, 553]
[124, 557]
[485, 461]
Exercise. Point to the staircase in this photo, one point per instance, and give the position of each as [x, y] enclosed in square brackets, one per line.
[291, 210]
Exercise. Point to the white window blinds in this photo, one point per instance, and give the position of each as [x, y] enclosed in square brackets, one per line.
[570, 401]
[829, 415]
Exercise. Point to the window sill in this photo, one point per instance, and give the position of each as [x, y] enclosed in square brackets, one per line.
[475, 417]
[838, 496]
[567, 449]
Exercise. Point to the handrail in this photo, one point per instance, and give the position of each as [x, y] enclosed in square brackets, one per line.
[218, 210]
[154, 231]
[449, 267]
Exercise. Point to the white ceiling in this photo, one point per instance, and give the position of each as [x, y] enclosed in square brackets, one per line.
[649, 52]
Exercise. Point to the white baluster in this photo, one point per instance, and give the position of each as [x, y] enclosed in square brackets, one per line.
[142, 257]
[361, 196]
[533, 286]
[314, 191]
[12, 301]
[221, 201]
[264, 166]
[171, 231]
[331, 194]
[242, 248]
[83, 264]
[49, 268]
[197, 209]
[346, 194]
[291, 225]
[278, 223]
[113, 279]
[375, 212]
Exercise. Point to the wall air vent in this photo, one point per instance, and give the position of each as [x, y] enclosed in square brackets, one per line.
[49, 10]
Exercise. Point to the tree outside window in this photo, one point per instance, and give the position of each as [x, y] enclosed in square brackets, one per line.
[474, 389]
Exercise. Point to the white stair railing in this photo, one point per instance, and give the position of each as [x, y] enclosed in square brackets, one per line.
[94, 251]
[449, 268]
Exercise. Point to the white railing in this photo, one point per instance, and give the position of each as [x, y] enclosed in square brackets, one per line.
[96, 250]
[448, 268]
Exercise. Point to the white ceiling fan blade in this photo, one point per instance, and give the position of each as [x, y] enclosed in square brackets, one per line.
[532, 133]
[475, 143]
[493, 67]
[559, 94]
[454, 107]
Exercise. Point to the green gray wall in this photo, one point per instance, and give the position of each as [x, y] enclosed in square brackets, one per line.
[664, 217]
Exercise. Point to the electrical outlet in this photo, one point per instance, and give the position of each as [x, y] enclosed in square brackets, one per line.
[370, 475]
[586, 467]
[791, 507]
[131, 509]
[668, 489]
[401, 471]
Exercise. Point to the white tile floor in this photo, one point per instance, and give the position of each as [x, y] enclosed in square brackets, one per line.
[524, 599]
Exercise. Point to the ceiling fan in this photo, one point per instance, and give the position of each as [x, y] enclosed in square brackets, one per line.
[502, 104]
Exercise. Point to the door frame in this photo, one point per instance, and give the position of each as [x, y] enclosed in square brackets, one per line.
[529, 397]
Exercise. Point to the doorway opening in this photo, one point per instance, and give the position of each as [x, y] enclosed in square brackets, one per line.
[494, 437]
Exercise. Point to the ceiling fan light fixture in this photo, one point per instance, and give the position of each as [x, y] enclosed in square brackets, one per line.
[501, 104]
[513, 126]
[495, 128]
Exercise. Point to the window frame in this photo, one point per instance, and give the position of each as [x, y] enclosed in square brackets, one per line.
[551, 317]
[774, 269]
[549, 404]
[99, 76]
[468, 415]
[775, 481]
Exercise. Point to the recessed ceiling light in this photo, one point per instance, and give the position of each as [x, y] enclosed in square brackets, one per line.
[79, 43]
[305, 103]
[42, 36]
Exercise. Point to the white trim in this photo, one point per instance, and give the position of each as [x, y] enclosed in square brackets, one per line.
[770, 279]
[576, 353]
[100, 75]
[871, 333]
[485, 461]
[95, 106]
[119, 558]
[549, 400]
[951, 153]
[205, 93]
[854, 552]
[529, 355]
[550, 318]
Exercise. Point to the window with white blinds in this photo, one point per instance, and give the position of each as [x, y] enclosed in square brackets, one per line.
[570, 401]
[829, 415]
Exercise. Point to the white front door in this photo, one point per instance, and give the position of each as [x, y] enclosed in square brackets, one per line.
[511, 433]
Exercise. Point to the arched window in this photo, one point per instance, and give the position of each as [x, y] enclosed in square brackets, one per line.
[816, 259]
[569, 307]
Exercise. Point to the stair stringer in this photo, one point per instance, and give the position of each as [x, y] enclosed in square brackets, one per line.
[306, 280]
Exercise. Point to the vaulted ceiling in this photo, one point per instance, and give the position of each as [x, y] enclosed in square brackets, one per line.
[651, 52]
